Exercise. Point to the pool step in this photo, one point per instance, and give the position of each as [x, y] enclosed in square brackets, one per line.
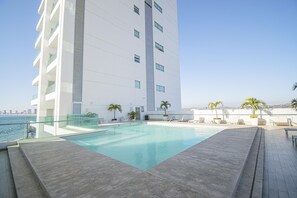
[250, 183]
[26, 183]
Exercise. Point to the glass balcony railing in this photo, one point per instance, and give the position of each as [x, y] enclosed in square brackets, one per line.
[51, 89]
[52, 58]
[38, 54]
[35, 96]
[53, 29]
[53, 6]
[49, 120]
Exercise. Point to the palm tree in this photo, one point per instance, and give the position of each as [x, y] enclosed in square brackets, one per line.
[165, 105]
[214, 105]
[254, 104]
[294, 101]
[294, 86]
[114, 107]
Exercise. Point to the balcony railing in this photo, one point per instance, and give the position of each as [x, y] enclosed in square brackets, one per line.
[52, 58]
[25, 127]
[53, 6]
[53, 29]
[35, 96]
[51, 88]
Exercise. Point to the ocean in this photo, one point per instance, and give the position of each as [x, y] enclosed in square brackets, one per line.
[10, 133]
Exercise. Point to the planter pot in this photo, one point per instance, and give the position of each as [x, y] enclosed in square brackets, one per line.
[255, 121]
[217, 120]
[165, 118]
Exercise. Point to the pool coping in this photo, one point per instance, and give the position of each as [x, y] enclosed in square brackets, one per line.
[162, 174]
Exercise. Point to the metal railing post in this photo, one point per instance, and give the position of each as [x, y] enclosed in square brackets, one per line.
[27, 131]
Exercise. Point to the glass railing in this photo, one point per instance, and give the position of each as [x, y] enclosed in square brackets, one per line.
[51, 89]
[53, 29]
[37, 55]
[49, 120]
[13, 128]
[35, 96]
[89, 121]
[52, 58]
[53, 6]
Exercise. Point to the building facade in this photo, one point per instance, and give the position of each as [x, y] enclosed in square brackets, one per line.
[96, 52]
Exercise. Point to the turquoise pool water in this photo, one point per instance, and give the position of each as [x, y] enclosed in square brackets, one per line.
[143, 146]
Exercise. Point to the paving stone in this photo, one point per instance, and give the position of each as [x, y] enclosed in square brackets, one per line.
[7, 188]
[214, 172]
[68, 170]
[25, 181]
[280, 165]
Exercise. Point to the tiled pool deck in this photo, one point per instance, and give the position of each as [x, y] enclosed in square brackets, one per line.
[280, 168]
[208, 169]
[211, 168]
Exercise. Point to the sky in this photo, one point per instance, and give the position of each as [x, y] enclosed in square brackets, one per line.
[229, 50]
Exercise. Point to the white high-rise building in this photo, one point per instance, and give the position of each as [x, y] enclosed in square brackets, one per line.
[96, 52]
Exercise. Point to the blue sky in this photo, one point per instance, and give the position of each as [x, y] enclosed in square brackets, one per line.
[229, 50]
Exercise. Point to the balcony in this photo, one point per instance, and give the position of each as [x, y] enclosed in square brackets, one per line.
[38, 42]
[51, 68]
[55, 11]
[51, 88]
[36, 62]
[40, 23]
[52, 58]
[41, 7]
[50, 92]
[34, 100]
[35, 81]
[53, 35]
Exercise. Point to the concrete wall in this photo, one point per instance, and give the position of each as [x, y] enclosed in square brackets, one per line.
[109, 47]
[232, 115]
[170, 57]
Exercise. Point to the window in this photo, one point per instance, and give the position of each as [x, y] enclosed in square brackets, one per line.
[137, 84]
[136, 58]
[160, 88]
[136, 9]
[158, 26]
[136, 34]
[159, 47]
[159, 67]
[158, 7]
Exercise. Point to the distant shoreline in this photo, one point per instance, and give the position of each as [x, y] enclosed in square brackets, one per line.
[14, 115]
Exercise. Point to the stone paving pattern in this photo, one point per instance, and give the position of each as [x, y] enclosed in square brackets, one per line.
[7, 189]
[280, 167]
[211, 168]
[26, 183]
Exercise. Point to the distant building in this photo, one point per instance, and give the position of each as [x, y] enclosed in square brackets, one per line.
[29, 111]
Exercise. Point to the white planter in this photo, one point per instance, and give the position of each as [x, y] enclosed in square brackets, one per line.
[217, 120]
[255, 121]
[165, 118]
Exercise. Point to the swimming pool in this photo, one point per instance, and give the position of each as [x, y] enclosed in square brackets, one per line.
[143, 146]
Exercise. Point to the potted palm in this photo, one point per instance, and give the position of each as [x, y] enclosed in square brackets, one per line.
[213, 106]
[254, 104]
[165, 106]
[294, 101]
[132, 115]
[114, 108]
